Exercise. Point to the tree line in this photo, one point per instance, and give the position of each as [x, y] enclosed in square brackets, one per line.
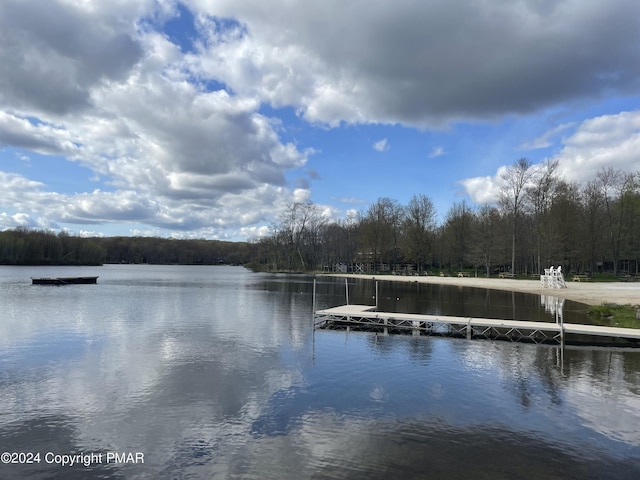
[540, 219]
[22, 246]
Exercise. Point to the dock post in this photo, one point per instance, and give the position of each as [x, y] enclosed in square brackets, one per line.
[416, 324]
[313, 302]
[313, 323]
[376, 294]
[346, 289]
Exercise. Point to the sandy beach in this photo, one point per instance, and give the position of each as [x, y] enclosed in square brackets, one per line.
[591, 293]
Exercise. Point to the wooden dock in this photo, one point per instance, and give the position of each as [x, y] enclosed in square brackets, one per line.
[367, 318]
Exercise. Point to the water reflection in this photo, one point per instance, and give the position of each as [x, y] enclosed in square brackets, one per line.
[427, 298]
[554, 306]
[216, 373]
[49, 433]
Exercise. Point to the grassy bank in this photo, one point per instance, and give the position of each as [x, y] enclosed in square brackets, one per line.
[612, 315]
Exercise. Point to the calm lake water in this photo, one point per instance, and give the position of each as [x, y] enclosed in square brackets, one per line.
[216, 373]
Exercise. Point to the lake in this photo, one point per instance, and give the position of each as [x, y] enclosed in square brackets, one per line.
[195, 372]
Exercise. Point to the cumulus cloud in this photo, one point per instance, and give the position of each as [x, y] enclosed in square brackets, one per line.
[426, 63]
[97, 85]
[37, 137]
[16, 185]
[17, 220]
[54, 52]
[483, 190]
[602, 142]
[233, 215]
[177, 137]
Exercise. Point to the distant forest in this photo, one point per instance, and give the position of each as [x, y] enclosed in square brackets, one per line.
[23, 246]
[540, 220]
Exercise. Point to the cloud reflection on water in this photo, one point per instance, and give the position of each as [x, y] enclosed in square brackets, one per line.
[225, 380]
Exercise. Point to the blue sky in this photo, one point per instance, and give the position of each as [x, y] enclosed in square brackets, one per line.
[206, 118]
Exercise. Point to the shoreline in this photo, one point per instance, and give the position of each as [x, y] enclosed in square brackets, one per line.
[590, 293]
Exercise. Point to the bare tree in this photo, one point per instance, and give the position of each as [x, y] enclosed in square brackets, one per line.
[458, 234]
[299, 225]
[593, 221]
[610, 182]
[628, 210]
[512, 192]
[567, 224]
[419, 229]
[545, 218]
[540, 196]
[337, 244]
[379, 229]
[485, 235]
[631, 234]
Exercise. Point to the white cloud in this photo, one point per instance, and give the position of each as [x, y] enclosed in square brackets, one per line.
[547, 138]
[352, 200]
[15, 185]
[227, 218]
[37, 137]
[482, 189]
[99, 84]
[53, 53]
[597, 143]
[436, 152]
[301, 195]
[381, 145]
[254, 232]
[90, 233]
[178, 156]
[424, 64]
[17, 220]
[605, 141]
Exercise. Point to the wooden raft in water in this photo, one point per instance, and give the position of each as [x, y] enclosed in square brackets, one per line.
[63, 280]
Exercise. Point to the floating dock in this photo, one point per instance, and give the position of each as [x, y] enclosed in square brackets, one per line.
[63, 280]
[367, 318]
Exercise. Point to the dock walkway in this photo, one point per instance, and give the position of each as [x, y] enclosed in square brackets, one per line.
[366, 317]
